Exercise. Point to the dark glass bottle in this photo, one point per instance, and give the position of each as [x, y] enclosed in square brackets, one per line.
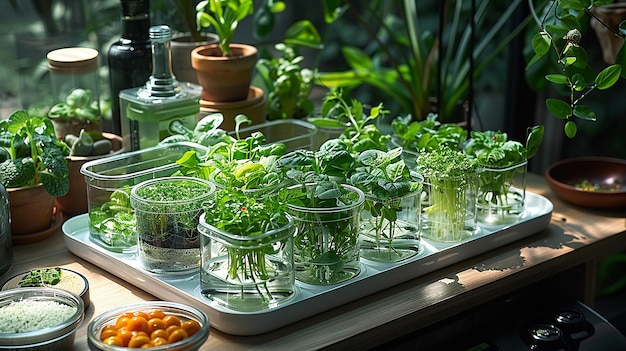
[130, 58]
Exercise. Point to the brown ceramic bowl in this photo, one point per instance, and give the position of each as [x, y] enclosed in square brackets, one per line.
[564, 176]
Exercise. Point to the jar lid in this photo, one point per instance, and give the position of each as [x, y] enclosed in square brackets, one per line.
[73, 60]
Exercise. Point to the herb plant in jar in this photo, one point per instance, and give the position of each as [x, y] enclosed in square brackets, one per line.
[327, 216]
[450, 186]
[390, 221]
[167, 211]
[246, 251]
[502, 179]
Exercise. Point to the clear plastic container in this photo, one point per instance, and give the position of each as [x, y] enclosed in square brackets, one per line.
[109, 181]
[294, 133]
[167, 211]
[247, 272]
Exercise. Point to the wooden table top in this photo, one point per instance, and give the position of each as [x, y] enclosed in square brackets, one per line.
[574, 236]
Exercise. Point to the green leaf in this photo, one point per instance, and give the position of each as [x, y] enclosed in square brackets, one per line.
[357, 58]
[584, 112]
[541, 43]
[559, 108]
[570, 129]
[608, 77]
[303, 33]
[570, 21]
[557, 79]
[533, 140]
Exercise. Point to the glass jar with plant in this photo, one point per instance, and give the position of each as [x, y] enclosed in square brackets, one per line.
[167, 211]
[326, 244]
[77, 112]
[502, 178]
[390, 221]
[450, 186]
[246, 251]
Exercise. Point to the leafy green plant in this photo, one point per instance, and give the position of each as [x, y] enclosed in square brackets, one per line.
[31, 154]
[501, 159]
[77, 106]
[403, 59]
[389, 214]
[167, 211]
[224, 17]
[333, 160]
[250, 232]
[558, 40]
[289, 85]
[114, 221]
[428, 134]
[450, 182]
[327, 214]
[246, 164]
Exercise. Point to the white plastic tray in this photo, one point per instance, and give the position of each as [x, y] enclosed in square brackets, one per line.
[308, 300]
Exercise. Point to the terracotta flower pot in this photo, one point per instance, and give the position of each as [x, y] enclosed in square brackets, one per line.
[224, 78]
[32, 210]
[254, 107]
[75, 201]
[181, 46]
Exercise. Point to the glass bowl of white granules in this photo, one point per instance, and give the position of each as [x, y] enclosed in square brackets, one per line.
[39, 319]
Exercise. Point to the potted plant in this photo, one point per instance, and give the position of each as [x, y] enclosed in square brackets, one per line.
[84, 147]
[184, 42]
[286, 83]
[450, 186]
[33, 169]
[502, 179]
[224, 69]
[77, 112]
[246, 251]
[559, 40]
[390, 226]
[167, 211]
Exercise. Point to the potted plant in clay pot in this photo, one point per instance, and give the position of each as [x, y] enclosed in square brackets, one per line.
[84, 147]
[184, 42]
[34, 171]
[224, 69]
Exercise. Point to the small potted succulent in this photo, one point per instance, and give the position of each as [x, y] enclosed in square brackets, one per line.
[34, 170]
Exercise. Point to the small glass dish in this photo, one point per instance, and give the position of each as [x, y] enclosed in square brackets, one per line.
[59, 336]
[181, 311]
